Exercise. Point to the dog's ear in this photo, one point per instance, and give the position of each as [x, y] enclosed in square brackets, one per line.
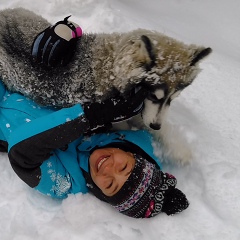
[199, 54]
[150, 50]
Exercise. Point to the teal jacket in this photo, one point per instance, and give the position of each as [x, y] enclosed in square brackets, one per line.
[47, 147]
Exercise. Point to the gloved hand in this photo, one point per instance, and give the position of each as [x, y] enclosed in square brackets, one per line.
[115, 109]
[175, 202]
[56, 44]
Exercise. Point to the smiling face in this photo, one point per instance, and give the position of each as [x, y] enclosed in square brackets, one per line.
[110, 169]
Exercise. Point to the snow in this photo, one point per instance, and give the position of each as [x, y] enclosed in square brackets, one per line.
[205, 117]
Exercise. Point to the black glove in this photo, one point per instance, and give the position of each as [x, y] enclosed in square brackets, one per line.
[56, 44]
[175, 202]
[115, 109]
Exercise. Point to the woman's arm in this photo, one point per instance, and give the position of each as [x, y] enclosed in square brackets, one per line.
[34, 142]
[30, 145]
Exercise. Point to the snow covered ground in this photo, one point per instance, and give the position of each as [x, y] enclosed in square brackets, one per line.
[206, 116]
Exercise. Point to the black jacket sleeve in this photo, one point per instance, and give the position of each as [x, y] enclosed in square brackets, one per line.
[3, 146]
[27, 156]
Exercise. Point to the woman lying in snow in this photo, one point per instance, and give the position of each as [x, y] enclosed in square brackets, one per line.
[58, 152]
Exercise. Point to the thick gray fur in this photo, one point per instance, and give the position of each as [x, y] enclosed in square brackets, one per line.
[103, 63]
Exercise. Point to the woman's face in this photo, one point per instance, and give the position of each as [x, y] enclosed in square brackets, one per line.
[110, 168]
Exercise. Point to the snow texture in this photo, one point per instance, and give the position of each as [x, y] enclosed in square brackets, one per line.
[205, 117]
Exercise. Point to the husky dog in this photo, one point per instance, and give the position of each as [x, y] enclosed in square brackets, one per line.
[103, 65]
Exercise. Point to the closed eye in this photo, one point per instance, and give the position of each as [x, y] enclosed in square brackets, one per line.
[157, 96]
[124, 168]
[110, 185]
[152, 97]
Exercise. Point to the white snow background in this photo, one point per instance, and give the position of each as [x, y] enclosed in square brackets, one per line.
[206, 116]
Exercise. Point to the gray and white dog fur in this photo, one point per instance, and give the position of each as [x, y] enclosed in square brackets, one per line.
[103, 65]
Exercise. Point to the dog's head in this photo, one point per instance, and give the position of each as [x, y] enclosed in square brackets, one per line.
[157, 103]
[153, 57]
[163, 64]
[173, 70]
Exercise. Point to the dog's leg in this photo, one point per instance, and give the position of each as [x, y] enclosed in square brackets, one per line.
[176, 146]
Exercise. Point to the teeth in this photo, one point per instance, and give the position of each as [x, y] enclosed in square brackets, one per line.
[101, 162]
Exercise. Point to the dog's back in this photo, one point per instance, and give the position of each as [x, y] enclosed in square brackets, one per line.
[103, 63]
[84, 79]
[58, 86]
[18, 27]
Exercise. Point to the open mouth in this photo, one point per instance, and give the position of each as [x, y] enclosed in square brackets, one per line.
[100, 161]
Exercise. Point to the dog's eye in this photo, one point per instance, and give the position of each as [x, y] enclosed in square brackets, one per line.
[152, 97]
[157, 95]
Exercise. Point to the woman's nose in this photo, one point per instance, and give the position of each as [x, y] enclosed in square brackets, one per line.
[108, 168]
[111, 168]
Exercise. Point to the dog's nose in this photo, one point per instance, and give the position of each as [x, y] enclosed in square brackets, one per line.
[155, 126]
